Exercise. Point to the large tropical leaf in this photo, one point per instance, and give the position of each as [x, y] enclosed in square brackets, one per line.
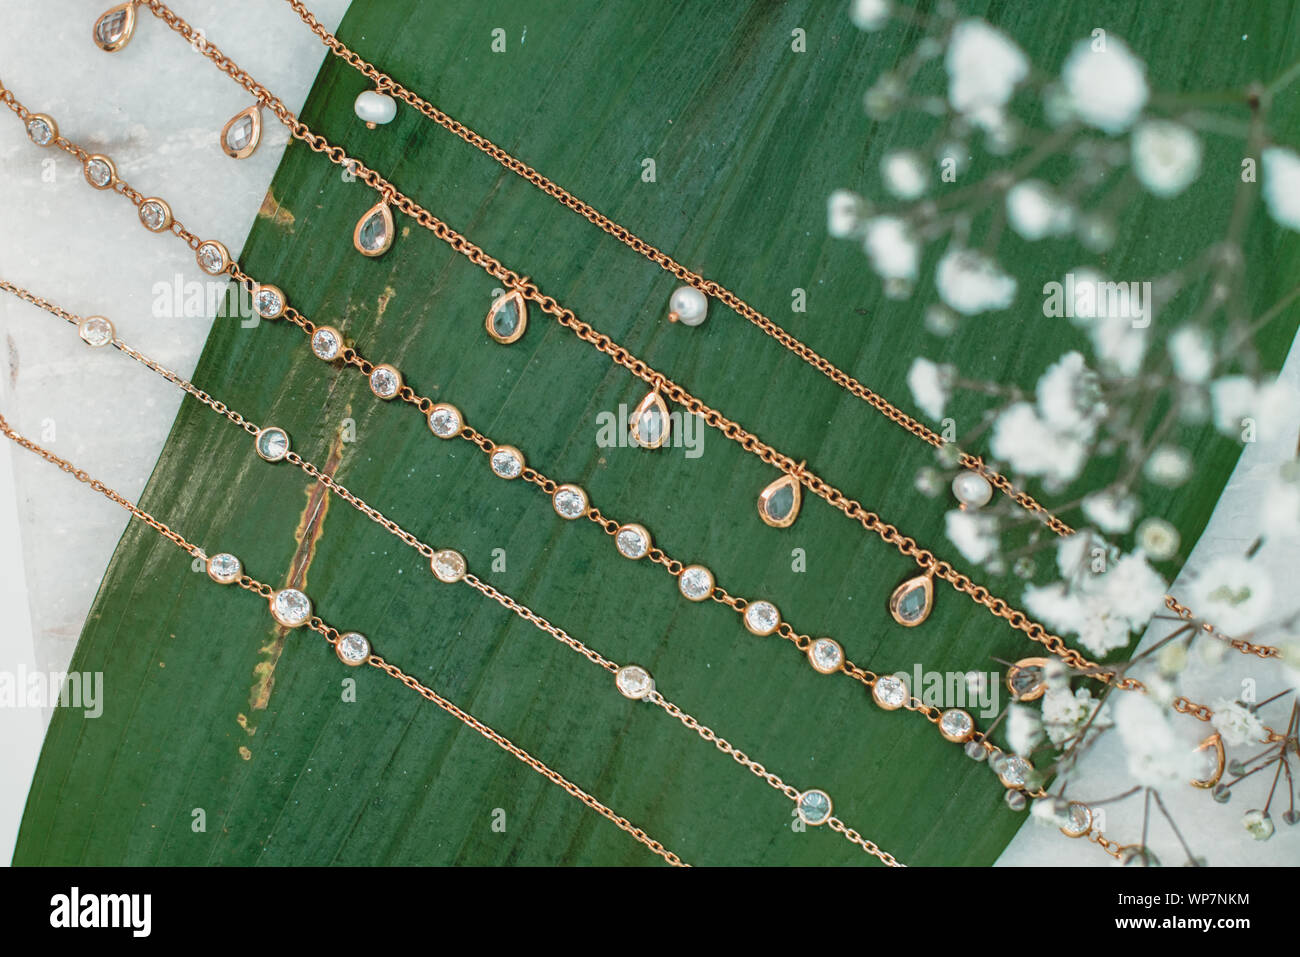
[210, 707]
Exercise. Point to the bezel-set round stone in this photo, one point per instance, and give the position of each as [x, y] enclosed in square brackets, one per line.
[956, 725]
[326, 343]
[570, 502]
[385, 381]
[890, 692]
[212, 256]
[762, 618]
[99, 171]
[155, 214]
[291, 608]
[507, 462]
[41, 129]
[695, 583]
[272, 443]
[634, 682]
[826, 656]
[632, 541]
[448, 565]
[268, 301]
[1013, 771]
[1078, 819]
[353, 649]
[224, 568]
[445, 420]
[814, 807]
[95, 331]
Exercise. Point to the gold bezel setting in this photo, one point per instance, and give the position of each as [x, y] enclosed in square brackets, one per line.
[122, 36]
[203, 256]
[155, 214]
[353, 649]
[385, 216]
[291, 607]
[633, 541]
[99, 159]
[224, 568]
[809, 807]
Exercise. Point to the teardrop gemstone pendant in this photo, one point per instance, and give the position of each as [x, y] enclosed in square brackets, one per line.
[374, 233]
[239, 137]
[508, 317]
[778, 504]
[911, 601]
[651, 422]
[114, 27]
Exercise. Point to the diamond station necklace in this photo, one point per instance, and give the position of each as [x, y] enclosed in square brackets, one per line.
[293, 609]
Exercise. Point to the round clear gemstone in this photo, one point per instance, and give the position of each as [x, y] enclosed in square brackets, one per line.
[448, 565]
[325, 343]
[632, 541]
[98, 172]
[154, 215]
[695, 582]
[353, 648]
[1013, 771]
[445, 421]
[95, 331]
[224, 568]
[384, 382]
[507, 462]
[40, 131]
[814, 807]
[273, 444]
[570, 502]
[634, 682]
[1078, 820]
[762, 618]
[291, 607]
[826, 655]
[956, 725]
[268, 302]
[890, 692]
[211, 257]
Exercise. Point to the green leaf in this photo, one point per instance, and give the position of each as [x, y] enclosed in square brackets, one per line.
[209, 707]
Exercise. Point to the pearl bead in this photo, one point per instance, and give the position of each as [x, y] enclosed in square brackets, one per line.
[374, 107]
[972, 489]
[690, 305]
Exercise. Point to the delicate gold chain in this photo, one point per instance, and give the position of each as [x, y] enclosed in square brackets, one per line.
[430, 553]
[332, 635]
[385, 83]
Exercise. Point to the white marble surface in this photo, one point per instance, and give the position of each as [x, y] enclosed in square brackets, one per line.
[156, 108]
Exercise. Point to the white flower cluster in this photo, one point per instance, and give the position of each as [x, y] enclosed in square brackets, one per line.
[1101, 599]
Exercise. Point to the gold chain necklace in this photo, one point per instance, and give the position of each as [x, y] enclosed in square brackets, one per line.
[292, 608]
[387, 87]
[522, 290]
[156, 215]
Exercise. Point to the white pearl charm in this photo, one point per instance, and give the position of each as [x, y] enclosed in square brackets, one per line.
[688, 306]
[375, 108]
[972, 489]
